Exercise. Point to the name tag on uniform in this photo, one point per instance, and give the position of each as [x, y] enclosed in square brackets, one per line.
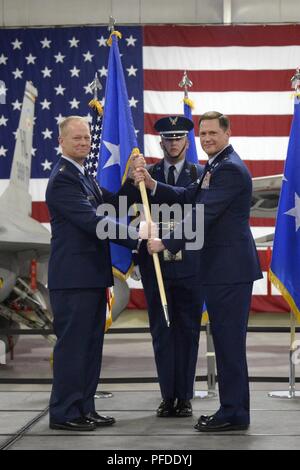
[90, 198]
[168, 256]
[206, 181]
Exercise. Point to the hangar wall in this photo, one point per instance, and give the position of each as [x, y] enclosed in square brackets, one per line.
[72, 12]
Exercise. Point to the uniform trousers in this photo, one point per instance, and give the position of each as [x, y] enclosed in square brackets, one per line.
[79, 321]
[228, 308]
[175, 347]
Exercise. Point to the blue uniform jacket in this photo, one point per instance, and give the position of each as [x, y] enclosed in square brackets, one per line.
[229, 254]
[78, 258]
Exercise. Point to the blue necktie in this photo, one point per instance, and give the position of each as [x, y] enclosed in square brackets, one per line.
[171, 176]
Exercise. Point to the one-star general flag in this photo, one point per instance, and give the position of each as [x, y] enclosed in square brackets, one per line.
[118, 140]
[285, 265]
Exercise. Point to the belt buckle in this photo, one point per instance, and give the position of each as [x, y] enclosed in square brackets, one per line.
[168, 256]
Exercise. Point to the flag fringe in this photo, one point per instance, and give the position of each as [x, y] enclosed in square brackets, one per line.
[122, 276]
[285, 294]
[110, 300]
[108, 324]
[96, 105]
[189, 102]
[114, 33]
[205, 317]
[134, 151]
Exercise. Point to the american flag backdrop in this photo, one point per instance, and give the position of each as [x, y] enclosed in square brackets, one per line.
[242, 71]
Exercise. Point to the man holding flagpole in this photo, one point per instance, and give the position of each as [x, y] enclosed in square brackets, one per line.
[175, 347]
[83, 253]
[79, 272]
[228, 262]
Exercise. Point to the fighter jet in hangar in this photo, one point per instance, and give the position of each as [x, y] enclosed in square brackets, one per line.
[23, 240]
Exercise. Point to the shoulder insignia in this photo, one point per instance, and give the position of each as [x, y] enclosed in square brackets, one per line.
[62, 168]
[213, 166]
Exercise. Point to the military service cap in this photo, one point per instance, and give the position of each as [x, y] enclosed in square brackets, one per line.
[173, 127]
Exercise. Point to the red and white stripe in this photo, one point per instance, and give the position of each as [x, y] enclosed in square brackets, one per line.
[241, 71]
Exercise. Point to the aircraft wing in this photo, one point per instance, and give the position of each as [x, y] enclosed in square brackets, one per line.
[265, 196]
[22, 234]
[265, 240]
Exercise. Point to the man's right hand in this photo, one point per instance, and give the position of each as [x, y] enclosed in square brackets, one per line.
[141, 174]
[137, 160]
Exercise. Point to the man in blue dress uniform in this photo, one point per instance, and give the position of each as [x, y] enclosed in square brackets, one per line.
[79, 272]
[228, 262]
[176, 347]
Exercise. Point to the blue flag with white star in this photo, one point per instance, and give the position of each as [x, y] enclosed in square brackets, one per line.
[118, 139]
[191, 154]
[285, 265]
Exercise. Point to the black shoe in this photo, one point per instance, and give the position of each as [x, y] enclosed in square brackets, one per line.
[77, 424]
[166, 409]
[183, 409]
[99, 420]
[211, 424]
[205, 417]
